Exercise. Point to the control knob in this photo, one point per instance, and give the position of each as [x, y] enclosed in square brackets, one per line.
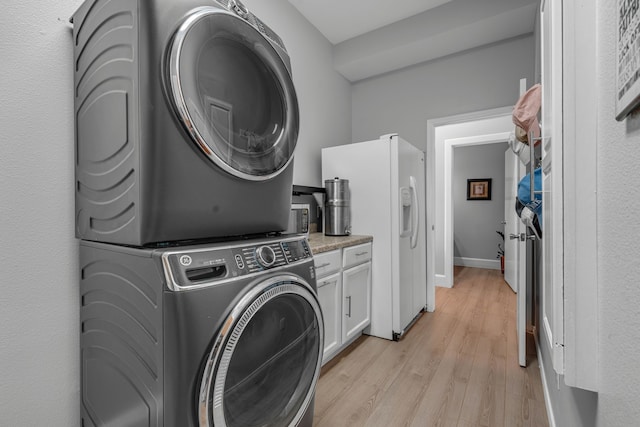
[265, 256]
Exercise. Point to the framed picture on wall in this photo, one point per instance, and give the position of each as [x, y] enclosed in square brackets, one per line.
[628, 55]
[479, 189]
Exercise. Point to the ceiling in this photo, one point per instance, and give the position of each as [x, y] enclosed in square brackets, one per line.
[373, 37]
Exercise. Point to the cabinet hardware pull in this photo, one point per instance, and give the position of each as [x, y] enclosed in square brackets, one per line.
[362, 253]
[323, 265]
[349, 306]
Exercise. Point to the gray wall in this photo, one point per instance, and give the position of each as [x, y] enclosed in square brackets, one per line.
[571, 406]
[618, 241]
[39, 301]
[475, 221]
[475, 80]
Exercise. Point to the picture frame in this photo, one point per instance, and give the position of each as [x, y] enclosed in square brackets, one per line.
[627, 59]
[479, 189]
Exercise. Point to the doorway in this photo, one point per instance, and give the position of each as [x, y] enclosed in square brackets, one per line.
[480, 127]
[478, 204]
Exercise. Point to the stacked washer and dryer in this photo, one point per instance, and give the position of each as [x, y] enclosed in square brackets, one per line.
[195, 310]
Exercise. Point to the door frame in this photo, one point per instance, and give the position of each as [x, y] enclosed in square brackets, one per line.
[435, 170]
[512, 222]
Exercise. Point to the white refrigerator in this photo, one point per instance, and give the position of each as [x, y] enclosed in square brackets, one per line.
[387, 185]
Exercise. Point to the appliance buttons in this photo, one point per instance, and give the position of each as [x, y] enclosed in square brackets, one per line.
[239, 262]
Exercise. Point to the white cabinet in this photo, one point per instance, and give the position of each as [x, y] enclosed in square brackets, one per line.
[356, 300]
[344, 292]
[329, 295]
[354, 255]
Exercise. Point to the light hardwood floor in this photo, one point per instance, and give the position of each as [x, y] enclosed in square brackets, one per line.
[457, 366]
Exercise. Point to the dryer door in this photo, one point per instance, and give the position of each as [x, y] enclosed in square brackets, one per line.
[265, 362]
[233, 93]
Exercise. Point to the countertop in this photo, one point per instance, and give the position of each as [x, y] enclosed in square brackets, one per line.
[319, 243]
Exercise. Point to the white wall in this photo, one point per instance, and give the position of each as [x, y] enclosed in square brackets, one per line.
[618, 240]
[475, 222]
[39, 312]
[475, 80]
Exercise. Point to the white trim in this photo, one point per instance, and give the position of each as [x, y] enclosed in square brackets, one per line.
[581, 321]
[490, 264]
[545, 388]
[553, 252]
[547, 332]
[440, 281]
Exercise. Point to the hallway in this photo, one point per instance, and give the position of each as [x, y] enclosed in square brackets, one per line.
[456, 367]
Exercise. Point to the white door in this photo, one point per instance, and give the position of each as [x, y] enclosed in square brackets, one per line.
[515, 249]
[523, 258]
[511, 220]
[406, 211]
[356, 300]
[412, 287]
[418, 236]
[521, 311]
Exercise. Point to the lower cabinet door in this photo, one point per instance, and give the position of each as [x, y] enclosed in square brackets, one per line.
[329, 295]
[356, 300]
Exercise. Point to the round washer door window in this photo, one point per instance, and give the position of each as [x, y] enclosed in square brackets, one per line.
[265, 362]
[234, 94]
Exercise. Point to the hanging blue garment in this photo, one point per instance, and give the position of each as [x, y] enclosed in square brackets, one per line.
[524, 187]
[530, 211]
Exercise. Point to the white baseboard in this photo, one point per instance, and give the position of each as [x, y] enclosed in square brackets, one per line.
[477, 263]
[545, 387]
[441, 281]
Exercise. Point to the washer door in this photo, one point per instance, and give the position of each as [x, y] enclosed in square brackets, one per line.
[234, 94]
[265, 362]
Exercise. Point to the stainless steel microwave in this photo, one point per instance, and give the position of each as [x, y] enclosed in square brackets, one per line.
[299, 219]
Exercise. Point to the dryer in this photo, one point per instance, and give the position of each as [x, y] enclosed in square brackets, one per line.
[229, 334]
[186, 122]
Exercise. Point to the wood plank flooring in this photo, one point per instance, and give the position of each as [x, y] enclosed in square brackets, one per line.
[457, 366]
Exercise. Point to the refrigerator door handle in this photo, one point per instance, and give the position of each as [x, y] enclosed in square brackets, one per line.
[415, 212]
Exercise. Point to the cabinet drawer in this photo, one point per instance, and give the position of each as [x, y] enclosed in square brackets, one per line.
[356, 255]
[327, 263]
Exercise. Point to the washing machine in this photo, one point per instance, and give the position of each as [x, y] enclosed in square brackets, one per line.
[186, 122]
[229, 334]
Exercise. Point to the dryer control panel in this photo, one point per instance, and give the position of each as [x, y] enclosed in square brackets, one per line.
[203, 265]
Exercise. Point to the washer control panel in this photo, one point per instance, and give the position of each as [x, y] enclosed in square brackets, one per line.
[263, 257]
[200, 265]
[296, 250]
